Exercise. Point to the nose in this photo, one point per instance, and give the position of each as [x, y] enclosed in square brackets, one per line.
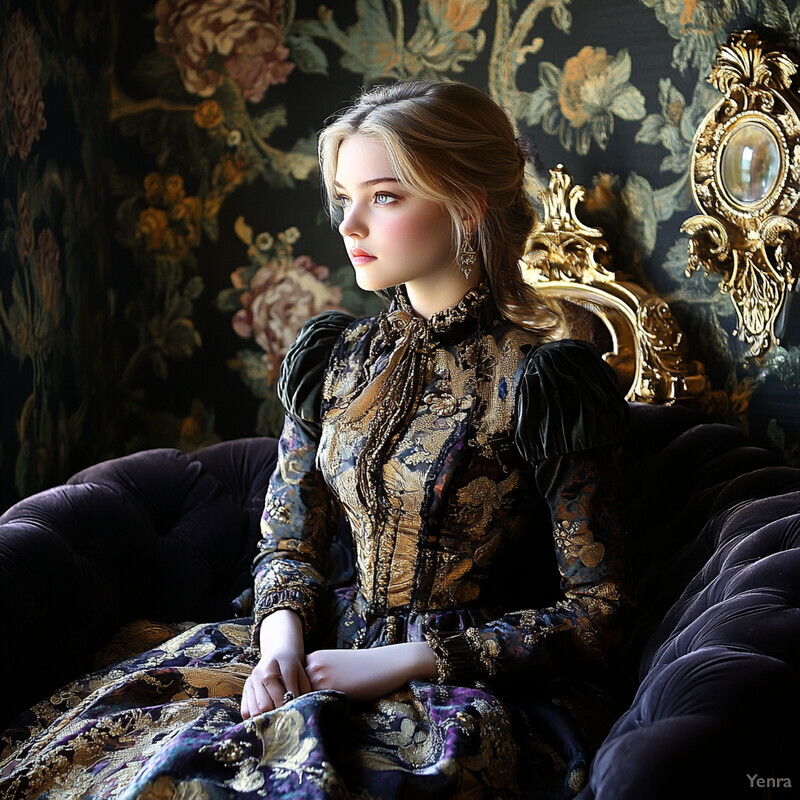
[353, 224]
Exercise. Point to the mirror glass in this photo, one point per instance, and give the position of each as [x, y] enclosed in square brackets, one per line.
[751, 162]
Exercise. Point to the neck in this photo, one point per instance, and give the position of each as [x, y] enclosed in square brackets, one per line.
[430, 296]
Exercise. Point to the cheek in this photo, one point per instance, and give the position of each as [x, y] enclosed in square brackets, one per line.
[404, 229]
[429, 231]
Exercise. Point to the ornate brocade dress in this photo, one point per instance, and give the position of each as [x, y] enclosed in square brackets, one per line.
[444, 480]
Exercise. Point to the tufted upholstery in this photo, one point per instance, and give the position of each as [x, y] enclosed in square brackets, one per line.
[709, 676]
[714, 659]
[158, 534]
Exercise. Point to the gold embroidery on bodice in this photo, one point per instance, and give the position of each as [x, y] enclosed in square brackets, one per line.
[449, 477]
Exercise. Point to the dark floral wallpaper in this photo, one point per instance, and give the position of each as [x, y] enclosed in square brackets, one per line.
[162, 236]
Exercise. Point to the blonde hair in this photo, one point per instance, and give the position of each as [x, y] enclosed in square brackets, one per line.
[451, 143]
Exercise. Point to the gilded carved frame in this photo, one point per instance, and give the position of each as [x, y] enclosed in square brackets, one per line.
[745, 180]
[570, 261]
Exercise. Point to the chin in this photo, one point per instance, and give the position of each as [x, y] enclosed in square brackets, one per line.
[371, 284]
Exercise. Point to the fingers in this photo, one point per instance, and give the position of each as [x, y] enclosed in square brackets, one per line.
[255, 698]
[265, 691]
[304, 682]
[296, 681]
[250, 704]
[274, 688]
[244, 706]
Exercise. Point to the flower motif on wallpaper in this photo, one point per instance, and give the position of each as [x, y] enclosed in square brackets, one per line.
[674, 130]
[209, 115]
[210, 39]
[21, 103]
[238, 142]
[443, 38]
[700, 25]
[458, 16]
[272, 297]
[784, 364]
[36, 289]
[24, 231]
[579, 103]
[172, 222]
[47, 272]
[277, 293]
[775, 14]
[162, 224]
[784, 442]
[675, 126]
[28, 325]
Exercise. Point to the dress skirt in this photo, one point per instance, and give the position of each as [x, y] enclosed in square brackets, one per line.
[166, 724]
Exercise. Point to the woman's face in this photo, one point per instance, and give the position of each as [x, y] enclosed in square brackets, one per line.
[391, 235]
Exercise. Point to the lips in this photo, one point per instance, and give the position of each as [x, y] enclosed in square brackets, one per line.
[360, 257]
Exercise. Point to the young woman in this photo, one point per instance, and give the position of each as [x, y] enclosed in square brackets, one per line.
[466, 448]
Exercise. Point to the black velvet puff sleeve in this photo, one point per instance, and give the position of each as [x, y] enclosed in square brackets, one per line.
[568, 400]
[303, 369]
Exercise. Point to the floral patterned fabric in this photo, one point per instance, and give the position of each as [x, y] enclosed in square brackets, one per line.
[419, 448]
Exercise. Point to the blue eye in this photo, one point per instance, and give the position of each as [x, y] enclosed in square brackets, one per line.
[341, 200]
[383, 199]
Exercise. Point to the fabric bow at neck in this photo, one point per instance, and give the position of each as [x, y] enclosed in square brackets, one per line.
[387, 404]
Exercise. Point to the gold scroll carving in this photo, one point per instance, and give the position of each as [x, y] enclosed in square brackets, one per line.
[745, 179]
[640, 338]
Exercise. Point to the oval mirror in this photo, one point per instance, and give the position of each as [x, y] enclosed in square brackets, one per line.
[751, 163]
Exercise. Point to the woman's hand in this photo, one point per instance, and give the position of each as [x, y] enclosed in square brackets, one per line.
[371, 673]
[281, 667]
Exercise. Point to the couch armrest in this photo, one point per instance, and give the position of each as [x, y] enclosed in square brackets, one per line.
[157, 534]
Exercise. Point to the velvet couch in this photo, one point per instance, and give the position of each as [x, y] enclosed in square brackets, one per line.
[708, 680]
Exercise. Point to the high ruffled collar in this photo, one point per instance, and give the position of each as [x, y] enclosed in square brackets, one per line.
[470, 305]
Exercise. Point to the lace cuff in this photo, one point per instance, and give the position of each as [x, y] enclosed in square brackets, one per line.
[297, 598]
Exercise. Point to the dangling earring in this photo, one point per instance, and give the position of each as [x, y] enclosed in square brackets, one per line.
[466, 258]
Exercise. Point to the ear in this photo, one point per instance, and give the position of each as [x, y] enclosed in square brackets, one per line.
[482, 205]
[471, 224]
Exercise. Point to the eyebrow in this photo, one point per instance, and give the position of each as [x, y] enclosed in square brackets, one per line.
[370, 182]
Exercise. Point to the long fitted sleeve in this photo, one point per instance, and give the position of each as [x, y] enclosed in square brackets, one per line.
[295, 528]
[296, 524]
[570, 446]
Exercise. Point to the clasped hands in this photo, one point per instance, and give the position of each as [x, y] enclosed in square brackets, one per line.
[285, 671]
